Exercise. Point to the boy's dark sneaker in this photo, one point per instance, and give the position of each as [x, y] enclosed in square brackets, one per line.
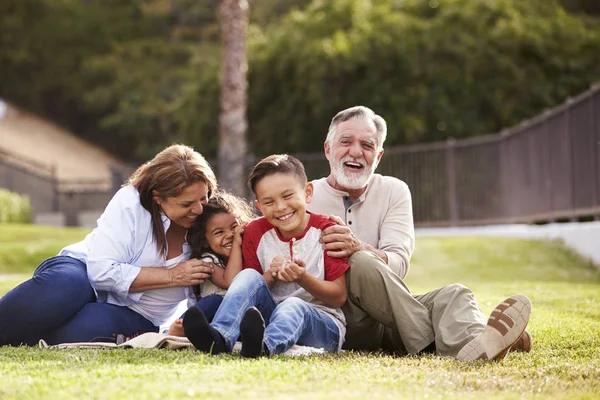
[504, 328]
[203, 336]
[252, 333]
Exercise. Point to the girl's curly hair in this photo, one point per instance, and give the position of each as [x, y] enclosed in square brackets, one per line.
[222, 202]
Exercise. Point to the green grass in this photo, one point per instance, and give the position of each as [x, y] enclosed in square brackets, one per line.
[23, 247]
[565, 363]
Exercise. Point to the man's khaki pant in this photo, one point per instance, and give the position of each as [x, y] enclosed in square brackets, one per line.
[381, 313]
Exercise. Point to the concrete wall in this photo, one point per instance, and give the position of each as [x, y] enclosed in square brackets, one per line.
[583, 237]
[86, 219]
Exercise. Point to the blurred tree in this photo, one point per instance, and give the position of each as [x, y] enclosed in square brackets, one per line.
[591, 7]
[136, 75]
[232, 119]
[264, 12]
[432, 69]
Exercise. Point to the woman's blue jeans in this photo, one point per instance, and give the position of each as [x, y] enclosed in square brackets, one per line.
[293, 321]
[58, 305]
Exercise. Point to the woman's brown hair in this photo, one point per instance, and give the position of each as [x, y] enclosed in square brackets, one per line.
[168, 174]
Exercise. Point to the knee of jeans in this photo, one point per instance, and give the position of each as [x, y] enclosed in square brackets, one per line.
[71, 274]
[292, 303]
[248, 276]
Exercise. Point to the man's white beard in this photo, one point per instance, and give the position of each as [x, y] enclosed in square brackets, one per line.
[352, 181]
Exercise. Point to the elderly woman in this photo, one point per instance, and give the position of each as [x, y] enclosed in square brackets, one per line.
[131, 272]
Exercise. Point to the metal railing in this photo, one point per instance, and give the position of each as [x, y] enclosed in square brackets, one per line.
[48, 193]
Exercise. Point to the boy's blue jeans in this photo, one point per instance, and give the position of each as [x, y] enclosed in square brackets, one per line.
[293, 321]
[58, 305]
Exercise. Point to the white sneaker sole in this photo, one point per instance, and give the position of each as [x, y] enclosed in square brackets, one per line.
[506, 323]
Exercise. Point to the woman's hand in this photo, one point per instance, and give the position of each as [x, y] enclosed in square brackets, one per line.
[191, 272]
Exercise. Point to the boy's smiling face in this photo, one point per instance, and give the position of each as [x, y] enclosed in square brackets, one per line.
[282, 199]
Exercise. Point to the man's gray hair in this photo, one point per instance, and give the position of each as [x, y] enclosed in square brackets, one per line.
[361, 113]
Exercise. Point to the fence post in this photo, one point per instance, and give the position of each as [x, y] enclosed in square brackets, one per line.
[573, 205]
[55, 188]
[71, 209]
[116, 178]
[451, 171]
[595, 145]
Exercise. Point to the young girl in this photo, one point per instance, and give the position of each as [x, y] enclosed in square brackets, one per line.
[216, 237]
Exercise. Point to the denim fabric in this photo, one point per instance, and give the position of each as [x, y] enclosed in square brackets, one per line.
[58, 305]
[209, 305]
[293, 321]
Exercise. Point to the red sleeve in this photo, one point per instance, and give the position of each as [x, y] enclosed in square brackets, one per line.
[334, 267]
[252, 235]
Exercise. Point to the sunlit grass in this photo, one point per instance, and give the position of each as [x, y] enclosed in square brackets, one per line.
[23, 247]
[565, 363]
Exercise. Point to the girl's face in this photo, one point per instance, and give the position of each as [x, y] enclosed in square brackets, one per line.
[220, 229]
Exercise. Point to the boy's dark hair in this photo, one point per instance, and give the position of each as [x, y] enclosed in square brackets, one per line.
[277, 163]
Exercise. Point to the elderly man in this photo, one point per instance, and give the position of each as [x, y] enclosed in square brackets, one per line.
[375, 229]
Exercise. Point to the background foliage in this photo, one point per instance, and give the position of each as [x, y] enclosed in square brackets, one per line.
[14, 208]
[135, 75]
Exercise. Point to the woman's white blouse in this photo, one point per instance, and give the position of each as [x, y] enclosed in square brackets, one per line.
[118, 247]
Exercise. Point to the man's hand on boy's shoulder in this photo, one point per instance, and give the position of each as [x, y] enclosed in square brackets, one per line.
[338, 240]
[292, 271]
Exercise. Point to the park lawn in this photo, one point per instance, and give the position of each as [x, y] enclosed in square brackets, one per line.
[23, 247]
[565, 324]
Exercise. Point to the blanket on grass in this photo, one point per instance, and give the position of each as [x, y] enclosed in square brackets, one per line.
[152, 340]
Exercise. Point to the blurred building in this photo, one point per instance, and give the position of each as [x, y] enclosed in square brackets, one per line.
[68, 180]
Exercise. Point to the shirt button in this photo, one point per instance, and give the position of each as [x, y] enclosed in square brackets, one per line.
[349, 211]
[349, 222]
[295, 252]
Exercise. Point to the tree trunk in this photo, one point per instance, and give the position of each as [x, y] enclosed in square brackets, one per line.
[232, 121]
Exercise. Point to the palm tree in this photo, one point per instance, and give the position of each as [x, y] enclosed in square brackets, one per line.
[232, 121]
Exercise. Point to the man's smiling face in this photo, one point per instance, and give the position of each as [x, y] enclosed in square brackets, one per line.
[282, 199]
[353, 154]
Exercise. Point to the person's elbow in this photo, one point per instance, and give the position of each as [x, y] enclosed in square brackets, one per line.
[102, 276]
[96, 274]
[339, 300]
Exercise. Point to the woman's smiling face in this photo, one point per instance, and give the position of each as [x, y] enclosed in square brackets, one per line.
[185, 208]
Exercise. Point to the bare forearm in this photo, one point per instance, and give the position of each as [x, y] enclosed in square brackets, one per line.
[332, 293]
[187, 273]
[218, 278]
[234, 265]
[151, 278]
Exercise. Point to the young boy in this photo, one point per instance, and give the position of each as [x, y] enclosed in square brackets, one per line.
[287, 280]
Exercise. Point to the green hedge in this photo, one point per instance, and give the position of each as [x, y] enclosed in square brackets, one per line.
[14, 207]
